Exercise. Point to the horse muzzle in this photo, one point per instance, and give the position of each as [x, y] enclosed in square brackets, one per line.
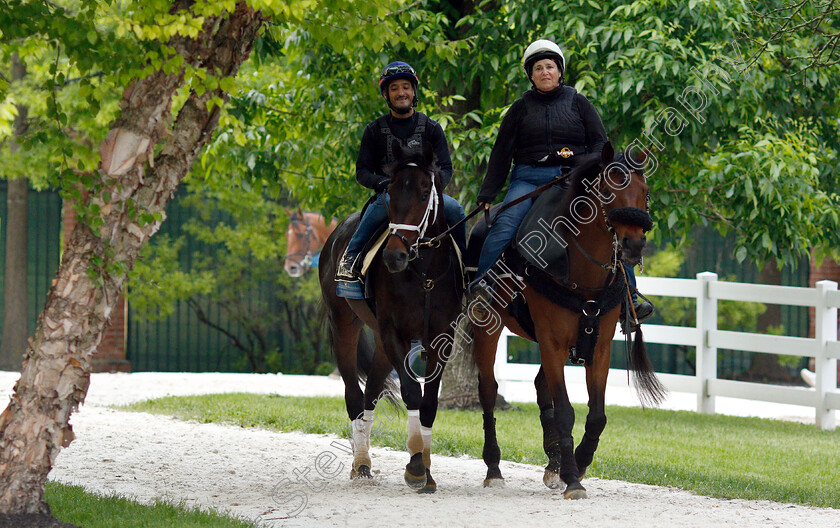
[631, 249]
[396, 260]
[293, 270]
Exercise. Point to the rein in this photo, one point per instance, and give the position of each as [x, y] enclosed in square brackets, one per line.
[536, 192]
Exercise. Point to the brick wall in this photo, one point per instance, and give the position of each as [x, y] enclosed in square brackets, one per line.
[110, 356]
[829, 270]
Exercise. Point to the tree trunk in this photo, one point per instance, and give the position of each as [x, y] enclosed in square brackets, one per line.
[766, 367]
[56, 371]
[15, 328]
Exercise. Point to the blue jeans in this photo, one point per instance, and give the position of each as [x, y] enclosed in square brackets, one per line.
[523, 179]
[376, 214]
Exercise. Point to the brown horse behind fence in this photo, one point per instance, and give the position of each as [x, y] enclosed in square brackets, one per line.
[305, 237]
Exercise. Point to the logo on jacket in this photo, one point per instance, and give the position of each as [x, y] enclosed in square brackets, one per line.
[565, 153]
[413, 143]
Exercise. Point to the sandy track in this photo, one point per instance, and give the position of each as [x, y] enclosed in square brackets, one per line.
[261, 475]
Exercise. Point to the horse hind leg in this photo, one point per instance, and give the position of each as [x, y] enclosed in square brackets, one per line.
[485, 354]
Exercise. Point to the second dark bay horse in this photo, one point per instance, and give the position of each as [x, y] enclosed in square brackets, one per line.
[417, 289]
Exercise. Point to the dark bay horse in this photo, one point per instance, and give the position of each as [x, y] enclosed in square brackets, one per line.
[417, 290]
[606, 207]
[305, 237]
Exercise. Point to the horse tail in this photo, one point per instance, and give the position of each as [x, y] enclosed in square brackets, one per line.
[650, 390]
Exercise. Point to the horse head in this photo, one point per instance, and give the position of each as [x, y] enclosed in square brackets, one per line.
[301, 244]
[415, 196]
[627, 196]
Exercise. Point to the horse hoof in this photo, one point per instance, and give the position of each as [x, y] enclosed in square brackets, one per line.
[574, 492]
[362, 473]
[416, 472]
[431, 485]
[551, 479]
[494, 483]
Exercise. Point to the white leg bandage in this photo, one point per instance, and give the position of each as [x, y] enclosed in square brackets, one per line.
[361, 441]
[426, 434]
[415, 441]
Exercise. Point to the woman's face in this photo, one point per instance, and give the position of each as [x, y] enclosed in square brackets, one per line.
[545, 75]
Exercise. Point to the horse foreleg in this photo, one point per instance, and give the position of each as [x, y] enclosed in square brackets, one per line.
[412, 395]
[485, 357]
[596, 418]
[428, 412]
[561, 463]
[551, 438]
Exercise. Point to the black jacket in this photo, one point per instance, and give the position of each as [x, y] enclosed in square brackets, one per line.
[543, 130]
[373, 152]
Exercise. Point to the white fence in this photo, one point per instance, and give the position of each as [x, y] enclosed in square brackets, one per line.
[707, 339]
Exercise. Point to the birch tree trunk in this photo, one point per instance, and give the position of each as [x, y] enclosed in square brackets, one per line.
[55, 377]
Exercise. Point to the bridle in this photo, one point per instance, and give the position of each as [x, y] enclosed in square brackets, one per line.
[630, 215]
[308, 255]
[429, 217]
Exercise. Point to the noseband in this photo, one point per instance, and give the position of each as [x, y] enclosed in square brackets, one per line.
[429, 216]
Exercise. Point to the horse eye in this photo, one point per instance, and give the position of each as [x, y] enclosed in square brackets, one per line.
[425, 195]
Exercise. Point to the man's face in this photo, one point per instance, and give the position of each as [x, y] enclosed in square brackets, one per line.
[401, 94]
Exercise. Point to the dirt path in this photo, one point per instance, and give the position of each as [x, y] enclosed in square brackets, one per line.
[263, 475]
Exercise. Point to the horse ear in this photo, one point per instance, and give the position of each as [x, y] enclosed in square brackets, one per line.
[428, 154]
[607, 153]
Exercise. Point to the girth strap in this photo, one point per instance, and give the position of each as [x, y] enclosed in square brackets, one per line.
[591, 310]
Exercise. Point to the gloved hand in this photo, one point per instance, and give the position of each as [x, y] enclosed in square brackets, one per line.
[382, 185]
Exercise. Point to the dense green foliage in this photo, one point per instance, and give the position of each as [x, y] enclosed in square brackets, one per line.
[721, 456]
[756, 155]
[72, 504]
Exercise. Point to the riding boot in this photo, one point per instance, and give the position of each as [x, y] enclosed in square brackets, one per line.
[346, 271]
[479, 300]
[643, 310]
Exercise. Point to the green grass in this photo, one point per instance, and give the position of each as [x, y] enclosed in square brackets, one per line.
[72, 504]
[720, 456]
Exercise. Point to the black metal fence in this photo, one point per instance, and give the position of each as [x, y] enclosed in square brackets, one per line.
[44, 247]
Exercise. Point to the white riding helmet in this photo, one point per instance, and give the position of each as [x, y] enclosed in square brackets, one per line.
[543, 49]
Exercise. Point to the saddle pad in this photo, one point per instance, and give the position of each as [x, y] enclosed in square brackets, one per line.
[535, 241]
[372, 251]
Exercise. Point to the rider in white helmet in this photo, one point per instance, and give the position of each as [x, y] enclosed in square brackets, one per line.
[541, 134]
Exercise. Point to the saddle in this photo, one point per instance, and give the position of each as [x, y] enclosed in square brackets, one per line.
[363, 289]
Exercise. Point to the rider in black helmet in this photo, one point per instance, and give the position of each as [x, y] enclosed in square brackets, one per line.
[398, 85]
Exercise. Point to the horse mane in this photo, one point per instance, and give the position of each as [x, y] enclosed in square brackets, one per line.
[588, 167]
[585, 170]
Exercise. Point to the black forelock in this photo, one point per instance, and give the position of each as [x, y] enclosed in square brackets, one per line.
[621, 159]
[412, 156]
